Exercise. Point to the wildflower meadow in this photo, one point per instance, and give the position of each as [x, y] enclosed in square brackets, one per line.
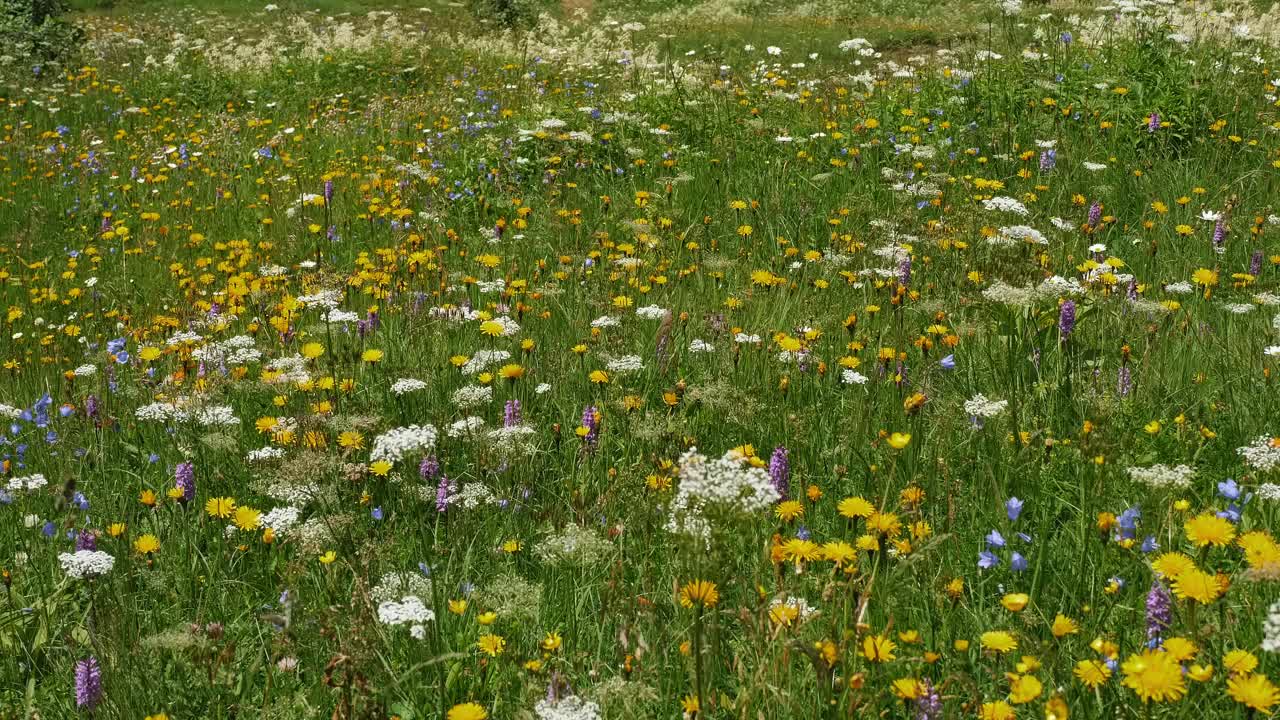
[625, 360]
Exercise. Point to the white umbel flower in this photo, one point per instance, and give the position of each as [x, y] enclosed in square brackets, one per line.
[27, 482]
[404, 386]
[1271, 629]
[86, 563]
[651, 312]
[980, 407]
[470, 396]
[393, 445]
[729, 484]
[1163, 476]
[1001, 203]
[1262, 454]
[408, 610]
[626, 363]
[568, 708]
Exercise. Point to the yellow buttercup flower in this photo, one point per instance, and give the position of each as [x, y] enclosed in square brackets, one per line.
[1015, 602]
[898, 440]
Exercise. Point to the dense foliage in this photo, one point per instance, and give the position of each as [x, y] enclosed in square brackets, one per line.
[670, 361]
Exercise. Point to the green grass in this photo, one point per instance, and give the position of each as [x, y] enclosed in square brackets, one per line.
[832, 204]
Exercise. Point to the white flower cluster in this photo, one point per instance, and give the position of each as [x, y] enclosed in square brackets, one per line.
[9, 411]
[471, 496]
[404, 386]
[651, 312]
[466, 427]
[1271, 629]
[605, 321]
[207, 416]
[787, 357]
[1001, 203]
[514, 441]
[575, 545]
[183, 338]
[698, 345]
[214, 415]
[293, 493]
[154, 412]
[236, 350]
[400, 584]
[509, 327]
[1263, 454]
[853, 377]
[626, 363]
[1162, 476]
[567, 708]
[86, 563]
[728, 484]
[1058, 286]
[338, 316]
[267, 453]
[281, 520]
[290, 370]
[979, 406]
[28, 482]
[395, 443]
[801, 605]
[483, 359]
[1005, 294]
[409, 611]
[470, 396]
[327, 299]
[1024, 233]
[1054, 287]
[85, 371]
[1269, 491]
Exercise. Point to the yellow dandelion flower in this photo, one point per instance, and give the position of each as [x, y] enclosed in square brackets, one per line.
[1240, 662]
[1254, 691]
[878, 648]
[855, 507]
[1209, 529]
[789, 510]
[699, 592]
[220, 507]
[467, 711]
[1154, 675]
[1092, 673]
[998, 641]
[146, 544]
